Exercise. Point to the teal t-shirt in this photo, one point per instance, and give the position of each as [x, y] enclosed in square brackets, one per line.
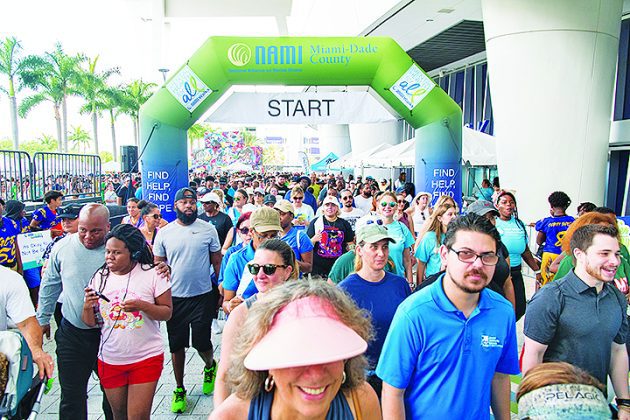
[427, 252]
[404, 239]
[514, 238]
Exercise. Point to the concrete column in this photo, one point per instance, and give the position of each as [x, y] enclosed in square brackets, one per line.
[551, 66]
[334, 138]
[367, 136]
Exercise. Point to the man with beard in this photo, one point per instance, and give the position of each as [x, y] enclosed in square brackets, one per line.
[364, 200]
[581, 318]
[351, 214]
[193, 251]
[72, 263]
[452, 346]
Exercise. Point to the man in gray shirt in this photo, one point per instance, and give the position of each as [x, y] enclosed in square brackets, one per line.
[192, 248]
[581, 318]
[72, 263]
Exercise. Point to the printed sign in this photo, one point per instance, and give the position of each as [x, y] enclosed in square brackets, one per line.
[412, 87]
[32, 246]
[188, 88]
[441, 179]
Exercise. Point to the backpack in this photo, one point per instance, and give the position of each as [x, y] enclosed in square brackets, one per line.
[20, 379]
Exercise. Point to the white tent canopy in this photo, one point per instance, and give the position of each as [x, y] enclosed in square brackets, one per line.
[362, 159]
[479, 149]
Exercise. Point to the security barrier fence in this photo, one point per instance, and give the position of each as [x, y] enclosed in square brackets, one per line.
[27, 179]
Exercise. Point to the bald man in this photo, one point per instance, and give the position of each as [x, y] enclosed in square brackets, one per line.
[72, 263]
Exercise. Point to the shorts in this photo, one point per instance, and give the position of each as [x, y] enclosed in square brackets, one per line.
[547, 259]
[191, 313]
[142, 372]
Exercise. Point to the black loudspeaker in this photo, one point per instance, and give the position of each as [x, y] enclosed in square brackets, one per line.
[129, 158]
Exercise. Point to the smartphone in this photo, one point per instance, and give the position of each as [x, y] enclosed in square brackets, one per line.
[102, 296]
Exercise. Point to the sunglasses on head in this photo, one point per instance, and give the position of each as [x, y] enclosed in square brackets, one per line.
[385, 204]
[268, 269]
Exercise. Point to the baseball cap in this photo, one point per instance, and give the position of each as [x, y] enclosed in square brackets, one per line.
[284, 206]
[259, 191]
[71, 211]
[321, 181]
[481, 208]
[269, 198]
[330, 199]
[264, 219]
[290, 341]
[372, 233]
[211, 198]
[185, 193]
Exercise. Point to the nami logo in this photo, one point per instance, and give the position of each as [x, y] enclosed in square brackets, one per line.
[239, 54]
[188, 88]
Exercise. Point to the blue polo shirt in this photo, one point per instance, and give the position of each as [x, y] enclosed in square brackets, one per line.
[299, 241]
[226, 258]
[444, 361]
[236, 273]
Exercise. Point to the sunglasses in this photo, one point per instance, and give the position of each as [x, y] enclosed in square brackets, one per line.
[298, 198]
[401, 201]
[244, 230]
[391, 204]
[268, 269]
[348, 197]
[156, 216]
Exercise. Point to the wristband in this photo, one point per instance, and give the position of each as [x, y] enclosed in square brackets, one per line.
[623, 402]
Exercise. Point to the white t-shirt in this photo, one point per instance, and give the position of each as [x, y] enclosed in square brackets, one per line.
[110, 197]
[129, 337]
[352, 216]
[15, 301]
[303, 215]
[364, 204]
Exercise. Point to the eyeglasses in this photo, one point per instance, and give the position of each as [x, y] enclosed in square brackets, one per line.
[265, 236]
[470, 257]
[156, 216]
[298, 198]
[244, 230]
[385, 204]
[268, 269]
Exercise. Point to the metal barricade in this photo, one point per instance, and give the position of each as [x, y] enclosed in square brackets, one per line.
[15, 176]
[77, 176]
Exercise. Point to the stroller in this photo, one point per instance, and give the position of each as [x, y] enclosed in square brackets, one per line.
[22, 396]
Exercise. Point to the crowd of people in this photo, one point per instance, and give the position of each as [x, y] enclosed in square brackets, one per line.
[345, 297]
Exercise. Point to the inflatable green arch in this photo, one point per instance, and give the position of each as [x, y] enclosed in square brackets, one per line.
[225, 61]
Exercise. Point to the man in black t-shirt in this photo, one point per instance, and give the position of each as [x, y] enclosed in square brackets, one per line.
[125, 192]
[211, 204]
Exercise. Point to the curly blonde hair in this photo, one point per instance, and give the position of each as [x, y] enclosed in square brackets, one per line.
[245, 383]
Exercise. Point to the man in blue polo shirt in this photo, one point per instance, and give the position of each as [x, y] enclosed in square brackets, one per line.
[238, 283]
[452, 346]
[296, 238]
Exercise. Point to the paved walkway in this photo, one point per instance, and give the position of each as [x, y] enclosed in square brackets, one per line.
[199, 405]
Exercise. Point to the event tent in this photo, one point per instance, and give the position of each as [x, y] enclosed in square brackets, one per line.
[360, 159]
[322, 164]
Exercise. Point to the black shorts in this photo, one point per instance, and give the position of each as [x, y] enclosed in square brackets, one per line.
[191, 313]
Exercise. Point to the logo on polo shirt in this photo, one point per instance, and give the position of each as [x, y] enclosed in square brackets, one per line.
[490, 341]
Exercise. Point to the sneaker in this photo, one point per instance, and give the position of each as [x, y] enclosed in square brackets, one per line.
[209, 375]
[179, 400]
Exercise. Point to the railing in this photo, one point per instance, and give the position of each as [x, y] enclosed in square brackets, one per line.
[26, 179]
[15, 175]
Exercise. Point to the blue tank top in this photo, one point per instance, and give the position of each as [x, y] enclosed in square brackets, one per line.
[260, 407]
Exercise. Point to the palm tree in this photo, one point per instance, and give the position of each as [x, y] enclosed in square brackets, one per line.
[80, 139]
[136, 94]
[197, 132]
[92, 86]
[11, 66]
[47, 141]
[57, 71]
[113, 102]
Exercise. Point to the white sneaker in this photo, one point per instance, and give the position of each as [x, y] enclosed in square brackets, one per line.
[217, 326]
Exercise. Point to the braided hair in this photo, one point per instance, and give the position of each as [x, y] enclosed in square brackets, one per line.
[136, 244]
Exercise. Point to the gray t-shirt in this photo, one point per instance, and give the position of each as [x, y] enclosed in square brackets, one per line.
[71, 267]
[577, 324]
[187, 250]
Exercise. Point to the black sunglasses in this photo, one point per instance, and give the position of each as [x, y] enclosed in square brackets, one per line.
[156, 216]
[244, 230]
[268, 269]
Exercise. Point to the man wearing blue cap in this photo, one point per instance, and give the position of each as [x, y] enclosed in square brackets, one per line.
[193, 251]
